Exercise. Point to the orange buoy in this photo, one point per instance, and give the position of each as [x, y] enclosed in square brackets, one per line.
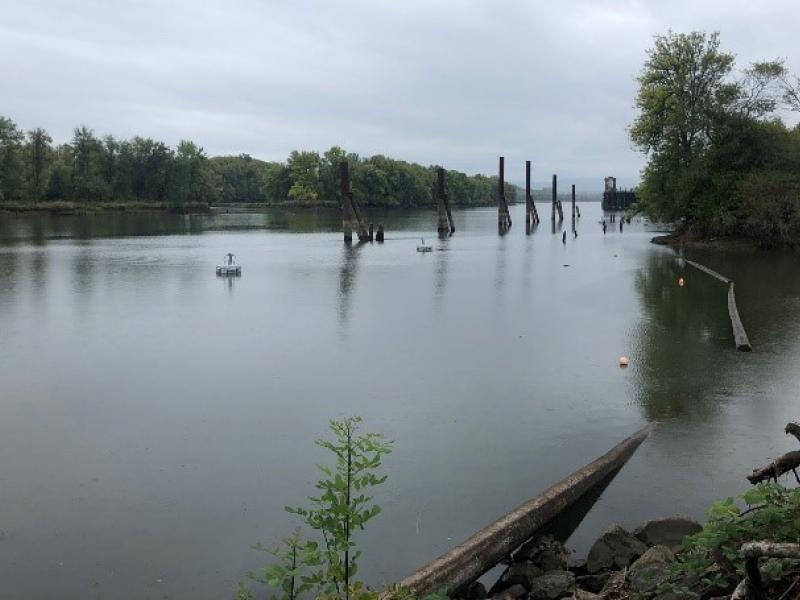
[681, 282]
[623, 361]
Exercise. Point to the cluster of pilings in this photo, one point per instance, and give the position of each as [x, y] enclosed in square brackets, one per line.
[351, 215]
[353, 222]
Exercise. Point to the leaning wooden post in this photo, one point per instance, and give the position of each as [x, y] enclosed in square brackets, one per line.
[573, 203]
[554, 191]
[503, 217]
[344, 199]
[443, 222]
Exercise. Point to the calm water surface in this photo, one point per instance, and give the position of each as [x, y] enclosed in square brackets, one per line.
[155, 419]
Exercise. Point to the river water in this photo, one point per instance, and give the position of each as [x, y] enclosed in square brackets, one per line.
[155, 419]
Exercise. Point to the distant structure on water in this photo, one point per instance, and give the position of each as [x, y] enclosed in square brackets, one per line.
[614, 199]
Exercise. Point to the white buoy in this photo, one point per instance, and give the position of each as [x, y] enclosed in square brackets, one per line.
[623, 361]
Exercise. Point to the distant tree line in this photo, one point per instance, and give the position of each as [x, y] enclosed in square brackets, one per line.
[720, 161]
[90, 169]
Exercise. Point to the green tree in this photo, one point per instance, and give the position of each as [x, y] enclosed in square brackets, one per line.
[10, 160]
[304, 176]
[39, 157]
[87, 177]
[695, 123]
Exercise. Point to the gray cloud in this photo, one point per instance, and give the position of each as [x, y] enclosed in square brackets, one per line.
[453, 83]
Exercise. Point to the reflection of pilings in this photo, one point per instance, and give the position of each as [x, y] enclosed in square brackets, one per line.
[469, 560]
[503, 216]
[440, 281]
[347, 277]
[739, 334]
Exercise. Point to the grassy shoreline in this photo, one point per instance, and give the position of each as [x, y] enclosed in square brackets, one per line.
[81, 208]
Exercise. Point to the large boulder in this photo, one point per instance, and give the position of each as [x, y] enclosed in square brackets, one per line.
[667, 532]
[649, 570]
[552, 585]
[615, 549]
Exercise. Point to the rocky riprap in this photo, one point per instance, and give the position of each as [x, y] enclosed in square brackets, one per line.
[620, 565]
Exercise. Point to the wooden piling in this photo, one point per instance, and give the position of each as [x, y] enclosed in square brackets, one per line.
[445, 216]
[503, 216]
[528, 200]
[379, 234]
[344, 201]
[482, 551]
[371, 232]
[351, 216]
[573, 203]
[442, 224]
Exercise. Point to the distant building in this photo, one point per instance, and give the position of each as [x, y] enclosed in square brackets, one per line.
[614, 199]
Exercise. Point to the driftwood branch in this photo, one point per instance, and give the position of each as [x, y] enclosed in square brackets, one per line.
[783, 464]
[752, 588]
[793, 429]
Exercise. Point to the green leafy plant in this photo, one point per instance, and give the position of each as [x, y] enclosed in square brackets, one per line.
[341, 507]
[711, 558]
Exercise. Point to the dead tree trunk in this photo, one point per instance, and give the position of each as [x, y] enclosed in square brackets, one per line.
[781, 465]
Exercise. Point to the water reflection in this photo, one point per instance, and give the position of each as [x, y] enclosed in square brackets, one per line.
[682, 343]
[83, 268]
[500, 271]
[440, 280]
[347, 278]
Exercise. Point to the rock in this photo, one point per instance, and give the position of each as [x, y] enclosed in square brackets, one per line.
[552, 585]
[577, 565]
[584, 595]
[667, 532]
[545, 552]
[615, 549]
[474, 591]
[594, 582]
[616, 586]
[520, 573]
[512, 593]
[647, 573]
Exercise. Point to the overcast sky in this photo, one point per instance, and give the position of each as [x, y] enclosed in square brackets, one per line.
[451, 83]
